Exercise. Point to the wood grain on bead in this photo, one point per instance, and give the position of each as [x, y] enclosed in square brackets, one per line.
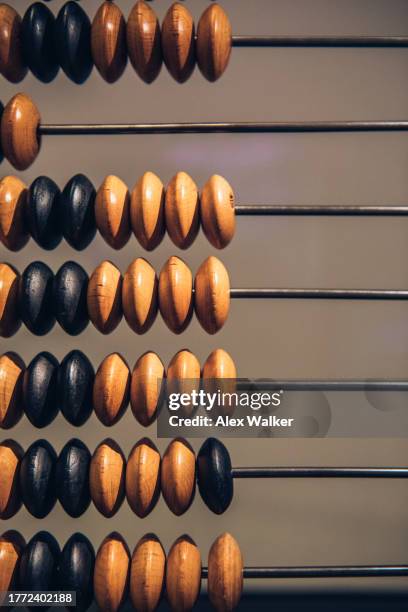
[143, 477]
[72, 478]
[178, 42]
[225, 573]
[20, 140]
[35, 296]
[11, 455]
[38, 42]
[77, 209]
[112, 211]
[108, 42]
[76, 569]
[212, 295]
[12, 64]
[13, 200]
[178, 476]
[111, 575]
[9, 313]
[147, 573]
[39, 563]
[146, 389]
[11, 389]
[73, 42]
[111, 389]
[107, 478]
[144, 41]
[37, 478]
[176, 294]
[139, 296]
[214, 41]
[183, 376]
[40, 385]
[214, 475]
[75, 387]
[182, 210]
[43, 213]
[183, 574]
[104, 297]
[220, 374]
[70, 289]
[12, 545]
[217, 211]
[147, 210]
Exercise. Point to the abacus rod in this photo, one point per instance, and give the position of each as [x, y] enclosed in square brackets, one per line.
[319, 41]
[322, 294]
[325, 385]
[320, 210]
[330, 571]
[319, 472]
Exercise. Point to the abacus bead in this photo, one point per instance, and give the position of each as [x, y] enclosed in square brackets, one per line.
[178, 42]
[73, 42]
[108, 42]
[182, 210]
[143, 477]
[36, 298]
[11, 389]
[225, 573]
[37, 478]
[38, 42]
[39, 563]
[139, 295]
[9, 315]
[13, 199]
[111, 575]
[72, 478]
[147, 573]
[11, 454]
[75, 386]
[20, 140]
[220, 374]
[104, 297]
[107, 478]
[183, 376]
[214, 475]
[176, 294]
[76, 570]
[178, 476]
[183, 574]
[1, 148]
[112, 211]
[12, 545]
[144, 41]
[70, 289]
[78, 212]
[43, 213]
[217, 211]
[147, 210]
[212, 295]
[111, 389]
[145, 392]
[40, 383]
[12, 64]
[214, 41]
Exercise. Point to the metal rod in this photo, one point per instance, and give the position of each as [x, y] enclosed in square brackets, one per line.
[320, 41]
[331, 571]
[322, 294]
[321, 210]
[323, 385]
[319, 472]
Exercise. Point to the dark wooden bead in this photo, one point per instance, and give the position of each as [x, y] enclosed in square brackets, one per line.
[76, 570]
[40, 382]
[70, 289]
[78, 212]
[39, 563]
[37, 478]
[38, 42]
[72, 478]
[214, 477]
[75, 387]
[73, 42]
[35, 298]
[43, 214]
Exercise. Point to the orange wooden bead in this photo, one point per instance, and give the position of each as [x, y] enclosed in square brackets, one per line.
[147, 573]
[13, 202]
[12, 545]
[12, 64]
[214, 42]
[11, 389]
[108, 41]
[176, 294]
[183, 376]
[139, 295]
[219, 374]
[107, 478]
[146, 388]
[112, 212]
[11, 455]
[111, 389]
[147, 211]
[212, 295]
[178, 42]
[144, 41]
[183, 574]
[225, 573]
[143, 477]
[111, 573]
[20, 140]
[9, 317]
[217, 211]
[178, 477]
[182, 210]
[104, 297]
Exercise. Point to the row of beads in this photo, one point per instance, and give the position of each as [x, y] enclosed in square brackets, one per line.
[114, 574]
[38, 477]
[44, 43]
[47, 214]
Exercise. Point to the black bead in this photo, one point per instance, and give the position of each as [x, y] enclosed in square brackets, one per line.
[214, 475]
[42, 213]
[35, 298]
[78, 212]
[76, 570]
[39, 563]
[38, 42]
[40, 383]
[1, 150]
[37, 478]
[75, 387]
[70, 287]
[72, 477]
[73, 42]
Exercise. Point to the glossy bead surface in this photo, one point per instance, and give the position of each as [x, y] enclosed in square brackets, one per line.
[11, 454]
[178, 42]
[214, 475]
[147, 210]
[108, 42]
[9, 312]
[146, 390]
[35, 294]
[144, 41]
[38, 42]
[20, 140]
[140, 296]
[214, 41]
[12, 545]
[147, 573]
[182, 210]
[76, 570]
[13, 198]
[111, 389]
[178, 475]
[43, 213]
[212, 295]
[112, 212]
[176, 294]
[78, 212]
[143, 477]
[37, 478]
[220, 374]
[40, 383]
[11, 389]
[39, 563]
[75, 387]
[12, 64]
[104, 297]
[183, 574]
[225, 573]
[72, 478]
[184, 376]
[70, 290]
[73, 42]
[217, 211]
[111, 576]
[107, 478]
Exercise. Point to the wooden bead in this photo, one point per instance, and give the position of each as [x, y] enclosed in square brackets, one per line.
[225, 573]
[75, 387]
[220, 374]
[146, 390]
[11, 455]
[104, 297]
[107, 478]
[38, 42]
[37, 478]
[147, 573]
[73, 42]
[183, 574]
[12, 64]
[214, 475]
[178, 42]
[13, 200]
[108, 42]
[143, 477]
[9, 313]
[72, 478]
[183, 376]
[11, 389]
[78, 212]
[212, 295]
[76, 569]
[12, 545]
[112, 210]
[1, 114]
[176, 294]
[178, 476]
[40, 383]
[35, 296]
[70, 307]
[111, 576]
[43, 213]
[182, 210]
[39, 563]
[20, 140]
[217, 211]
[139, 295]
[214, 42]
[147, 210]
[111, 389]
[144, 41]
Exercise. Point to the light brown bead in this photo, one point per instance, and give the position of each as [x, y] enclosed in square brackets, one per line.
[144, 41]
[112, 212]
[147, 211]
[143, 477]
[111, 389]
[214, 41]
[181, 208]
[13, 202]
[176, 294]
[104, 297]
[183, 574]
[12, 64]
[11, 454]
[11, 389]
[20, 140]
[219, 374]
[183, 376]
[178, 42]
[147, 573]
[146, 388]
[139, 295]
[178, 477]
[107, 478]
[9, 317]
[12, 545]
[108, 41]
[212, 295]
[225, 573]
[111, 573]
[217, 211]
